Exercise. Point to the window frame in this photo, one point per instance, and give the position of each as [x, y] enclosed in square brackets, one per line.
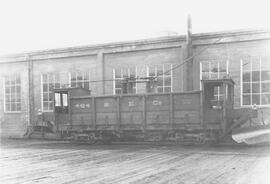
[250, 83]
[218, 95]
[42, 90]
[4, 93]
[121, 78]
[83, 81]
[163, 76]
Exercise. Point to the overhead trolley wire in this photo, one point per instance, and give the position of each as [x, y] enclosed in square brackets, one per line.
[173, 68]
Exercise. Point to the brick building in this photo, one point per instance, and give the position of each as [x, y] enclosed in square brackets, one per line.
[27, 79]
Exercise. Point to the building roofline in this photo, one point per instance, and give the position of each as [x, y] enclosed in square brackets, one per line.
[130, 43]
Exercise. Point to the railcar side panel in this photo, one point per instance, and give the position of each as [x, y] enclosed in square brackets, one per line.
[187, 110]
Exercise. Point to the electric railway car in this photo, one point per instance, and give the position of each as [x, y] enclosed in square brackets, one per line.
[195, 116]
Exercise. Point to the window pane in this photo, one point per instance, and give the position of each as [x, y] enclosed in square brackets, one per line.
[8, 106]
[45, 87]
[265, 64]
[256, 65]
[86, 75]
[255, 87]
[18, 80]
[50, 96]
[125, 72]
[159, 70]
[246, 100]
[160, 89]
[246, 77]
[255, 76]
[152, 71]
[205, 75]
[73, 84]
[167, 81]
[45, 97]
[45, 105]
[12, 90]
[265, 99]
[159, 81]
[117, 73]
[246, 66]
[223, 66]
[7, 90]
[12, 81]
[56, 85]
[18, 95]
[118, 84]
[57, 78]
[167, 89]
[18, 106]
[214, 67]
[118, 91]
[50, 106]
[79, 84]
[51, 87]
[86, 85]
[214, 75]
[265, 75]
[79, 76]
[73, 76]
[65, 100]
[246, 88]
[265, 87]
[256, 99]
[7, 98]
[132, 72]
[57, 99]
[205, 66]
[222, 75]
[51, 80]
[7, 81]
[18, 89]
[44, 78]
[13, 97]
[167, 69]
[13, 107]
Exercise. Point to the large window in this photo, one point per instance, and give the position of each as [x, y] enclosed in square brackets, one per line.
[215, 70]
[121, 73]
[80, 79]
[12, 93]
[163, 75]
[50, 81]
[255, 82]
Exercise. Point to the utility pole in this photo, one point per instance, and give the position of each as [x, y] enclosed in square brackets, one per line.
[188, 52]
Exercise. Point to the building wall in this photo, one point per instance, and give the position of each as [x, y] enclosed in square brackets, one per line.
[101, 60]
[142, 59]
[235, 53]
[14, 124]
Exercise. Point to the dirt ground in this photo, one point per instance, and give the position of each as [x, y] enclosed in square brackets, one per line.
[33, 161]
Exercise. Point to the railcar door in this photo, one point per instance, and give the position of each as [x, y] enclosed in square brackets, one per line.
[218, 99]
[61, 109]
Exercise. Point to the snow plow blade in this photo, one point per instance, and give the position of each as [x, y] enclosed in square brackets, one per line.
[259, 134]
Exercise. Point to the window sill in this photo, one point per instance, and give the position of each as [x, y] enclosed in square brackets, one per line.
[13, 112]
[251, 106]
[47, 110]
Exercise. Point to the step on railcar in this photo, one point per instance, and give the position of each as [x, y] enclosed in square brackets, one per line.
[181, 117]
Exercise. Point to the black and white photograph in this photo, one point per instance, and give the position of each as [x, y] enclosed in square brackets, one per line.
[134, 92]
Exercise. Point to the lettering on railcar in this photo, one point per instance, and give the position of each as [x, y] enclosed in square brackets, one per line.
[157, 102]
[82, 106]
[106, 104]
[186, 101]
[131, 104]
